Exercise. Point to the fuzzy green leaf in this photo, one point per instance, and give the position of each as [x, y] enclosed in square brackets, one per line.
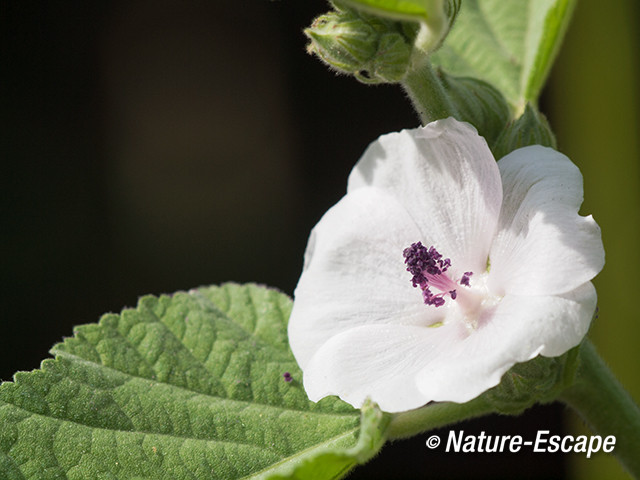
[188, 386]
[510, 44]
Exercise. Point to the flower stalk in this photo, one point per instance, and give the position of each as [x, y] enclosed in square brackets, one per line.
[606, 406]
[427, 93]
[435, 415]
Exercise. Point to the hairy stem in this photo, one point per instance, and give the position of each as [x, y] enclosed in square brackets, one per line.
[427, 93]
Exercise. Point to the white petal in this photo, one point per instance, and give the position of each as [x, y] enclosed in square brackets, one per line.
[543, 247]
[516, 330]
[447, 179]
[378, 362]
[355, 273]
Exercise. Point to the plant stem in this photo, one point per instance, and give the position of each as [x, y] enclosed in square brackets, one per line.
[426, 92]
[606, 406]
[429, 417]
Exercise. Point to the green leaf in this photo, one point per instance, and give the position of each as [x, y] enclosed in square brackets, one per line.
[333, 463]
[188, 386]
[510, 44]
[417, 10]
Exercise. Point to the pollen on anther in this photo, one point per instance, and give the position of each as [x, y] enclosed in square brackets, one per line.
[428, 268]
[421, 260]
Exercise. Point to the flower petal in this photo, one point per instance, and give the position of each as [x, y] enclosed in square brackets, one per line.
[515, 330]
[446, 177]
[543, 247]
[380, 362]
[405, 367]
[354, 273]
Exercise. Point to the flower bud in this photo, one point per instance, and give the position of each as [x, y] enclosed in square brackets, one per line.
[478, 103]
[372, 49]
[391, 60]
[536, 381]
[342, 40]
[532, 128]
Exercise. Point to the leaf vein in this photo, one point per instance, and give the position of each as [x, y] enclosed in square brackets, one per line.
[301, 453]
[75, 358]
[495, 37]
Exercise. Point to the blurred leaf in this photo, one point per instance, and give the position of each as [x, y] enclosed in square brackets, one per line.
[510, 44]
[402, 9]
[182, 387]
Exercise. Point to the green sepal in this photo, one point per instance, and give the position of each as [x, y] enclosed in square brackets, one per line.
[540, 380]
[532, 128]
[478, 103]
[342, 40]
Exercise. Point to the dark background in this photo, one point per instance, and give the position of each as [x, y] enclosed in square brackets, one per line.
[149, 147]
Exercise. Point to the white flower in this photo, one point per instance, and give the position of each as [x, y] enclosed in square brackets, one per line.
[501, 274]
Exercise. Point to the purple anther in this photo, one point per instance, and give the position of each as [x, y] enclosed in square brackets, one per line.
[438, 301]
[287, 376]
[416, 258]
[428, 268]
[465, 279]
[430, 298]
[446, 263]
[420, 260]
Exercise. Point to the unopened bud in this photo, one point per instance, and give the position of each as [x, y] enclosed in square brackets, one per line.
[372, 49]
[342, 40]
[478, 103]
[532, 128]
[390, 62]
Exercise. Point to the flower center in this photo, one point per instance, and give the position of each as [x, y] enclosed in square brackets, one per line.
[429, 271]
